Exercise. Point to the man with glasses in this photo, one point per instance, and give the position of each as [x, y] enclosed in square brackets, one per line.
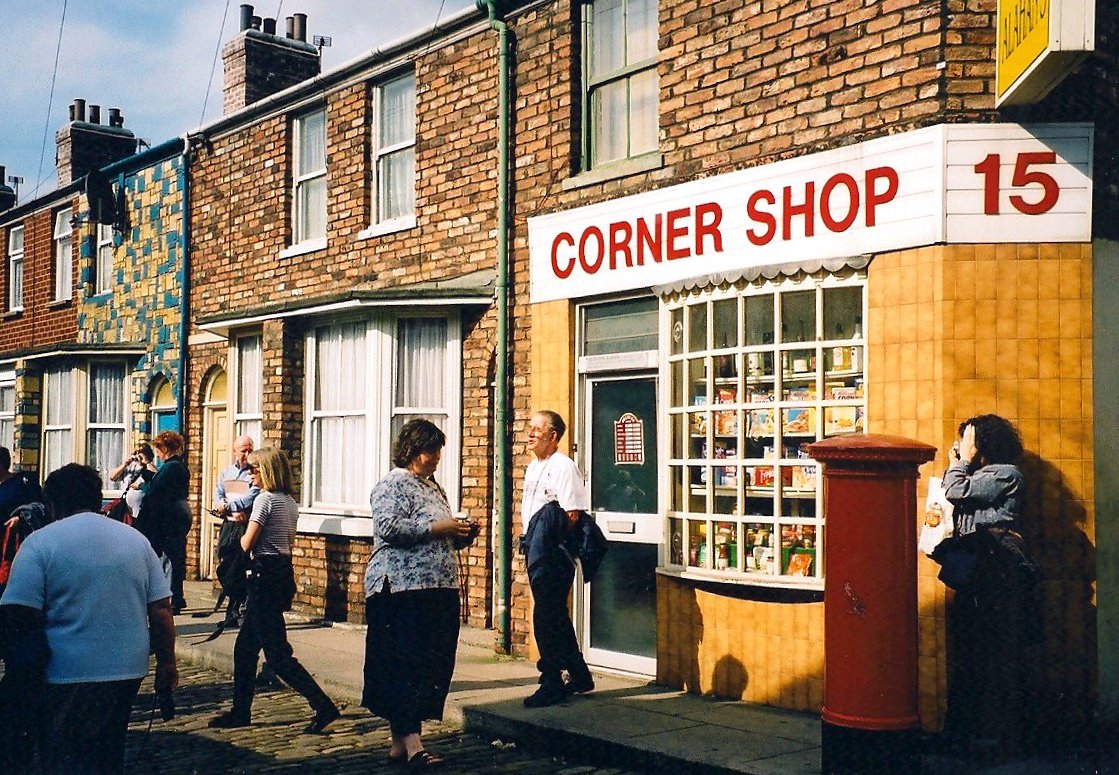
[553, 477]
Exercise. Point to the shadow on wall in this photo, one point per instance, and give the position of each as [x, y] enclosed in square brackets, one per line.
[713, 657]
[1053, 524]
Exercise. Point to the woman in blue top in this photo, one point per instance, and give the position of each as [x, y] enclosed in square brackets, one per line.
[412, 603]
[988, 617]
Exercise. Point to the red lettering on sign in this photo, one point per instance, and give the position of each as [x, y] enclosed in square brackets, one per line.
[705, 228]
[874, 197]
[592, 232]
[807, 209]
[1023, 177]
[676, 233]
[562, 238]
[843, 224]
[649, 240]
[761, 217]
[620, 234]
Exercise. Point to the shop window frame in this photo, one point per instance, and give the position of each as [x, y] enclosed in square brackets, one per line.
[828, 395]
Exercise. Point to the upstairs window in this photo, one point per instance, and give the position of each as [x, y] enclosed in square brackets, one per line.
[7, 410]
[309, 222]
[620, 80]
[15, 268]
[103, 260]
[63, 256]
[394, 197]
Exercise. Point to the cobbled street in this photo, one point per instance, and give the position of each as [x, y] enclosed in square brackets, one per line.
[358, 742]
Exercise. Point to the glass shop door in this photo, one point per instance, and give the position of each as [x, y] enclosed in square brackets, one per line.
[619, 627]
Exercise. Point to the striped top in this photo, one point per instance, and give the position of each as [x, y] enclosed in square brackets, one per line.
[277, 514]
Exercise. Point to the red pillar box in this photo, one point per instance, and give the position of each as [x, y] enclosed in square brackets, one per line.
[870, 722]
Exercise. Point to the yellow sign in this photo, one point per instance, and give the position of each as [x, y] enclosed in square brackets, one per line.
[1038, 43]
[1023, 36]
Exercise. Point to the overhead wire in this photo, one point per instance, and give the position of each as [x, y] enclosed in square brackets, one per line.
[214, 64]
[50, 102]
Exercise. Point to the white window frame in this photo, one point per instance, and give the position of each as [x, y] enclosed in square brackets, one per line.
[15, 268]
[247, 419]
[8, 417]
[63, 251]
[378, 411]
[76, 419]
[120, 427]
[103, 260]
[777, 378]
[625, 74]
[301, 182]
[382, 152]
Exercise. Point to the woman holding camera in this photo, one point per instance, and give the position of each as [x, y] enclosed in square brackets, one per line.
[137, 469]
[988, 619]
[271, 586]
[165, 515]
[411, 588]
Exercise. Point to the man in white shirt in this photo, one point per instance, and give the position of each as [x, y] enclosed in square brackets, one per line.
[553, 476]
[98, 590]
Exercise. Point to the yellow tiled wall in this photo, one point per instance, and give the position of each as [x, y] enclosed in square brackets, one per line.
[956, 331]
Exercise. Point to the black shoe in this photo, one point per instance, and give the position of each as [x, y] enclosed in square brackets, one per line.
[580, 684]
[547, 694]
[228, 720]
[324, 717]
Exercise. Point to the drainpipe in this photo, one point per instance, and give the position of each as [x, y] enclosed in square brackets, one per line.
[184, 282]
[503, 480]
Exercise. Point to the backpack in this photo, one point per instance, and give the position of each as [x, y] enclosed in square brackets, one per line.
[12, 540]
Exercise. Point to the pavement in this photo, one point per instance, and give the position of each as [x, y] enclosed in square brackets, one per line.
[625, 723]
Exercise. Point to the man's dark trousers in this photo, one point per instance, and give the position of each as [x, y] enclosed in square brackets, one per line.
[552, 627]
[85, 726]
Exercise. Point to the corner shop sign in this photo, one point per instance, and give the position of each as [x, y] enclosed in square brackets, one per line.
[955, 183]
[1038, 43]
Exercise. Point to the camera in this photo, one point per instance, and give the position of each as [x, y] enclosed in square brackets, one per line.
[166, 702]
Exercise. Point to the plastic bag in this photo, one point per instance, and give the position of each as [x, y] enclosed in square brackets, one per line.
[939, 525]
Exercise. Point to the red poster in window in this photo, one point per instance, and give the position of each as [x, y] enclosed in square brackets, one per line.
[629, 440]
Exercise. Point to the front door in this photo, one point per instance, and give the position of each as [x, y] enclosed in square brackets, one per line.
[216, 456]
[619, 607]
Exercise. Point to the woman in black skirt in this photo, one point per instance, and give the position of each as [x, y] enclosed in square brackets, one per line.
[412, 603]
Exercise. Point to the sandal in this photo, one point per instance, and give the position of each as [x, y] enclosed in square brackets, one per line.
[424, 759]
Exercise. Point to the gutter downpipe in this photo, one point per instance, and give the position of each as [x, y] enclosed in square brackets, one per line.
[503, 481]
[184, 283]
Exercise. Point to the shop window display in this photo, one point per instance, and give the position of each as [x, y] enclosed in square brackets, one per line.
[754, 376]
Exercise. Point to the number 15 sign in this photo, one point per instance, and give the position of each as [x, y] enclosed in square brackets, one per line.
[1013, 183]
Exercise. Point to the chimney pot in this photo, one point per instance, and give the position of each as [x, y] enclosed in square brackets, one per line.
[72, 112]
[95, 114]
[115, 117]
[270, 26]
[255, 23]
[246, 16]
[79, 110]
[289, 23]
[301, 27]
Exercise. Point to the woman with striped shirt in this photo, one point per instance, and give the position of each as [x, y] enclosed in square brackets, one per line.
[268, 538]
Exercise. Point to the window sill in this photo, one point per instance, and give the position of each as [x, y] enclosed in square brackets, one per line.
[387, 227]
[615, 170]
[779, 584]
[334, 524]
[59, 303]
[13, 314]
[310, 246]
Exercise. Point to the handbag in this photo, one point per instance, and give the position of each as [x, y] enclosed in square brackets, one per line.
[12, 540]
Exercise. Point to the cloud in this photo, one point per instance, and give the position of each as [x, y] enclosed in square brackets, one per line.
[154, 60]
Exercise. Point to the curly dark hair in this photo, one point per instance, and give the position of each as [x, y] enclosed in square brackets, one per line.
[996, 439]
[415, 437]
[73, 488]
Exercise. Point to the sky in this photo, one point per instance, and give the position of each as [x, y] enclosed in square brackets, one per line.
[153, 60]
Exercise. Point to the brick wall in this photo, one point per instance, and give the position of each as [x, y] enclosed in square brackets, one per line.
[241, 200]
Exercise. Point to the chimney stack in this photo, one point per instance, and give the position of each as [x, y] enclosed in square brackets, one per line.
[7, 193]
[82, 145]
[258, 62]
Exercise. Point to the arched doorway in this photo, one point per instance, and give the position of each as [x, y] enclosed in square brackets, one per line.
[215, 457]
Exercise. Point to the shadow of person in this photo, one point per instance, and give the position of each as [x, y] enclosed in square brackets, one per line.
[1061, 667]
[729, 678]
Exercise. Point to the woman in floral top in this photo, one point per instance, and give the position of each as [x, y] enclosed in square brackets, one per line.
[411, 588]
